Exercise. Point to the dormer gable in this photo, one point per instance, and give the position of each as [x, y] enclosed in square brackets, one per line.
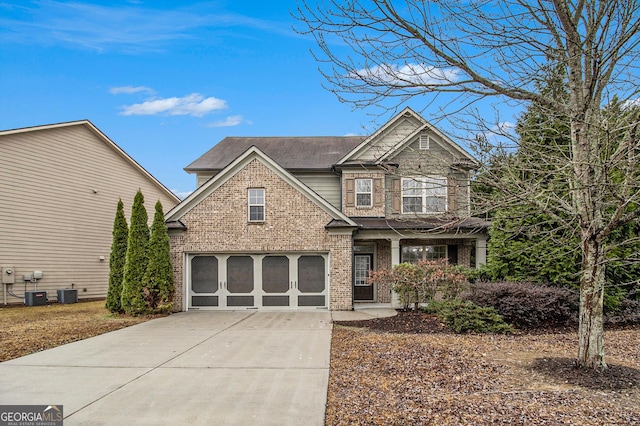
[397, 134]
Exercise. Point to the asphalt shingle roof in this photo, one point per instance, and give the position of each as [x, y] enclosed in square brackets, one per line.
[291, 152]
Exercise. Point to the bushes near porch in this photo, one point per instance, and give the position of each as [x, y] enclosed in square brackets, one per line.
[439, 288]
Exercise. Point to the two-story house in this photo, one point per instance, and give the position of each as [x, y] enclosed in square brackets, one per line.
[299, 222]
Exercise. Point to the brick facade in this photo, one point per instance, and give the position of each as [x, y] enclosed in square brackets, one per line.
[296, 218]
[293, 223]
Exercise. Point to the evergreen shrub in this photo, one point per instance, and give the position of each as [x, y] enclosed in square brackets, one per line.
[464, 316]
[526, 305]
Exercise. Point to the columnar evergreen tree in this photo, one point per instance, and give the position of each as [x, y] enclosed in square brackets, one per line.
[117, 260]
[158, 279]
[133, 302]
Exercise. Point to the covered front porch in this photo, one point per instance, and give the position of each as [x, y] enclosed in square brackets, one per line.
[384, 243]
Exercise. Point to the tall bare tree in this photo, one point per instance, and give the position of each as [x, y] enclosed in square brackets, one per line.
[375, 51]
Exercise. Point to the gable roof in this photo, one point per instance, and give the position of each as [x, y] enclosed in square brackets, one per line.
[251, 154]
[290, 152]
[449, 145]
[103, 138]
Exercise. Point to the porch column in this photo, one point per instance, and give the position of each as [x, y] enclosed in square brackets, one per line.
[481, 251]
[395, 252]
[395, 260]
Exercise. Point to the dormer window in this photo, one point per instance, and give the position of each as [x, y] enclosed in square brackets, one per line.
[364, 192]
[425, 140]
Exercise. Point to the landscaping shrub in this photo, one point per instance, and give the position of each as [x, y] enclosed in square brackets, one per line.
[158, 278]
[464, 316]
[526, 305]
[117, 259]
[133, 302]
[418, 283]
[628, 313]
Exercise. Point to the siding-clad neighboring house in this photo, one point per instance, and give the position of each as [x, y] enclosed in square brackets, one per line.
[299, 222]
[59, 186]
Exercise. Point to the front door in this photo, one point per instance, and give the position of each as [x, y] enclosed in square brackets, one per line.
[362, 265]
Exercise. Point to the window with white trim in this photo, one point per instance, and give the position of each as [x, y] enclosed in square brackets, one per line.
[426, 194]
[256, 205]
[364, 192]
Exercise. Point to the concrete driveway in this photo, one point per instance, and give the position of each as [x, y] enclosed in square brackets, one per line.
[208, 368]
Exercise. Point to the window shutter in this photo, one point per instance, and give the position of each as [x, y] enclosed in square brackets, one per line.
[452, 194]
[396, 196]
[350, 185]
[378, 192]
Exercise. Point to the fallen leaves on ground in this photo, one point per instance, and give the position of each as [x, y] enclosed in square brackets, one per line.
[387, 375]
[28, 329]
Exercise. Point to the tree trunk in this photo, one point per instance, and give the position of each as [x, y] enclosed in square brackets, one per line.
[591, 331]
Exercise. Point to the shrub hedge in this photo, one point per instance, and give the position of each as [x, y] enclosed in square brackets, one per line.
[464, 316]
[526, 305]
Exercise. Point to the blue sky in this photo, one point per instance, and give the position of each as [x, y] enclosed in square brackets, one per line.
[166, 80]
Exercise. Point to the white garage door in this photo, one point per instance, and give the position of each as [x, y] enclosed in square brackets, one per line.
[237, 281]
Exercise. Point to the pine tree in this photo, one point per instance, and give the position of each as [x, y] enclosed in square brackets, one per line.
[133, 302]
[117, 260]
[158, 279]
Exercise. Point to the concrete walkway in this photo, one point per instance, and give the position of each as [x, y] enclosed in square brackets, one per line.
[191, 368]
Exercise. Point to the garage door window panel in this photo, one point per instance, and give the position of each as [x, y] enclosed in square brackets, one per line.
[240, 274]
[275, 274]
[204, 274]
[311, 275]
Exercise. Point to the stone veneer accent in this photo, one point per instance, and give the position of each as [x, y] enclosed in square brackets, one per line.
[293, 223]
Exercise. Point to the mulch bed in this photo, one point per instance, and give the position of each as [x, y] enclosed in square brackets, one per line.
[409, 369]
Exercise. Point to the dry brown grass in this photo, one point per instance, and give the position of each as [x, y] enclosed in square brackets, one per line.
[28, 329]
[383, 378]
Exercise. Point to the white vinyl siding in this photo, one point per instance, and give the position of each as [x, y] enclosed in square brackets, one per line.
[59, 190]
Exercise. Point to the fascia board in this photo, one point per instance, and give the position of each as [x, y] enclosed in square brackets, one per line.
[378, 132]
[238, 164]
[448, 144]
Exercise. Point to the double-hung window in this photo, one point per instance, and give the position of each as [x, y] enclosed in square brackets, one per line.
[256, 205]
[426, 194]
[364, 192]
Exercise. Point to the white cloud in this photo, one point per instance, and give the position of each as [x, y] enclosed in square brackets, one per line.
[631, 103]
[131, 28]
[127, 90]
[194, 104]
[231, 121]
[408, 74]
[181, 194]
[500, 131]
